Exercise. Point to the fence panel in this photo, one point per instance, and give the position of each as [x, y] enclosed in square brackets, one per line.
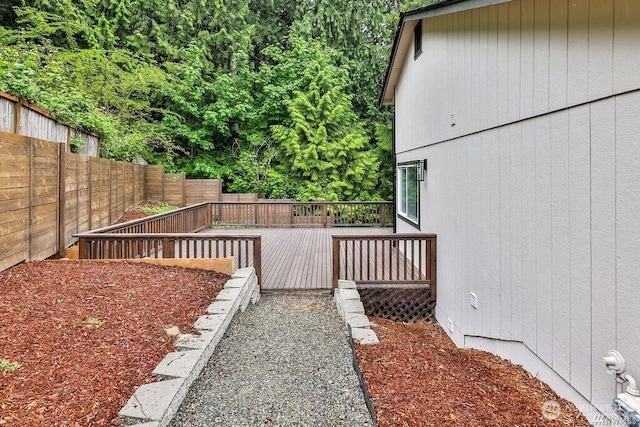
[153, 183]
[84, 194]
[16, 195]
[7, 115]
[202, 190]
[44, 199]
[174, 189]
[71, 198]
[138, 180]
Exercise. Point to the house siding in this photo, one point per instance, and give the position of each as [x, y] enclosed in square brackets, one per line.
[533, 185]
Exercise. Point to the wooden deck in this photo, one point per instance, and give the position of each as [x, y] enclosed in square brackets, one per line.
[297, 258]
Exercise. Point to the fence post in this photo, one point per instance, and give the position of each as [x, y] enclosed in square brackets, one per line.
[335, 259]
[257, 258]
[381, 209]
[266, 215]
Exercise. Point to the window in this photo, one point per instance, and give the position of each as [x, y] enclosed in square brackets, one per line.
[408, 193]
[417, 40]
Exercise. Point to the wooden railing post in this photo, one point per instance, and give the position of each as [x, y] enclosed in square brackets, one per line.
[168, 248]
[324, 215]
[209, 215]
[336, 261]
[434, 266]
[381, 210]
[266, 215]
[257, 258]
[83, 249]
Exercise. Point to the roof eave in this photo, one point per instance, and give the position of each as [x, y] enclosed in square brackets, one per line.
[392, 74]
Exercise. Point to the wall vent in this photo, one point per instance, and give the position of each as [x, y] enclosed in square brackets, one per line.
[473, 299]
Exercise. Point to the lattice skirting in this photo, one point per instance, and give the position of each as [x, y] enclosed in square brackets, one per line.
[400, 305]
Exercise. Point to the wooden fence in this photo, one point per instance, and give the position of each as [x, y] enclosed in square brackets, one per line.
[48, 195]
[24, 118]
[398, 260]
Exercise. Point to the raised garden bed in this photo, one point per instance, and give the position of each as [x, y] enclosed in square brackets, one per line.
[416, 376]
[145, 209]
[86, 335]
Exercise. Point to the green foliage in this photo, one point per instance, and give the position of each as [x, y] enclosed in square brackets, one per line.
[325, 143]
[154, 210]
[93, 322]
[8, 366]
[246, 91]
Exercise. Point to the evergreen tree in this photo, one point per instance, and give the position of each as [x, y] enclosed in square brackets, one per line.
[324, 146]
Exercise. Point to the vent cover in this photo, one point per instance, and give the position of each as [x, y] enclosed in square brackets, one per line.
[473, 299]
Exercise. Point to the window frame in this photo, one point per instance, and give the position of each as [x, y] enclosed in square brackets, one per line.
[417, 40]
[402, 194]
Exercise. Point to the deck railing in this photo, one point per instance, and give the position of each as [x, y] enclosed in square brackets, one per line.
[397, 259]
[184, 220]
[303, 214]
[246, 250]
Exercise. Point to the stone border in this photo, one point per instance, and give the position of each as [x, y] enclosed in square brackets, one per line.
[155, 404]
[351, 310]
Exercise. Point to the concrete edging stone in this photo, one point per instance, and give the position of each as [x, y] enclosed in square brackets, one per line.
[155, 404]
[351, 310]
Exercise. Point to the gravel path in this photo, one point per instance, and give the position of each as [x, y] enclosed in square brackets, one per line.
[284, 362]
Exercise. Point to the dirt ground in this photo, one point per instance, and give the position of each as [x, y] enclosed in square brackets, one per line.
[416, 376]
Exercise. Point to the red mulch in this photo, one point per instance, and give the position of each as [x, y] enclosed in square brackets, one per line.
[87, 334]
[136, 213]
[416, 376]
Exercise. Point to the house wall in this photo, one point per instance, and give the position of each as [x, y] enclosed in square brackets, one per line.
[533, 186]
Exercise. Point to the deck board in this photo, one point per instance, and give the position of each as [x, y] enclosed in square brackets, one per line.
[297, 258]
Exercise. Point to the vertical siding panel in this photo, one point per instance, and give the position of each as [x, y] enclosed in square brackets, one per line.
[515, 231]
[483, 68]
[580, 247]
[442, 63]
[529, 290]
[628, 229]
[600, 48]
[468, 121]
[505, 238]
[494, 238]
[561, 302]
[492, 67]
[450, 104]
[578, 55]
[526, 58]
[458, 161]
[625, 40]
[474, 206]
[558, 55]
[543, 238]
[514, 61]
[476, 83]
[541, 58]
[485, 298]
[432, 44]
[503, 63]
[603, 249]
